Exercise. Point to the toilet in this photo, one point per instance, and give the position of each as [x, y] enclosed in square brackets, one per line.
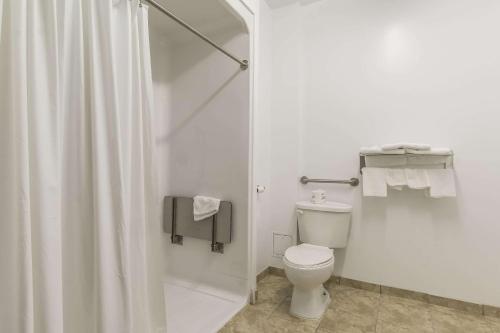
[322, 228]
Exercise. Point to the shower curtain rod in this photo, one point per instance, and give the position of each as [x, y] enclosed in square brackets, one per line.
[243, 63]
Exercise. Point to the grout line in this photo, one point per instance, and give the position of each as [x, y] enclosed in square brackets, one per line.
[378, 310]
[432, 322]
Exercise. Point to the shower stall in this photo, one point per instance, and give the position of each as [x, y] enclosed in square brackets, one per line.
[202, 112]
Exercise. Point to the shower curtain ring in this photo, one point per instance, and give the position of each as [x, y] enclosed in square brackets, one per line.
[140, 3]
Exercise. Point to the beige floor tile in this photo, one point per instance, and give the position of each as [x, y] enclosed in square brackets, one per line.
[472, 308]
[354, 311]
[272, 290]
[277, 271]
[249, 320]
[446, 320]
[351, 329]
[334, 288]
[275, 325]
[356, 301]
[340, 288]
[282, 314]
[494, 324]
[492, 311]
[402, 312]
[391, 327]
[338, 321]
[391, 291]
[360, 285]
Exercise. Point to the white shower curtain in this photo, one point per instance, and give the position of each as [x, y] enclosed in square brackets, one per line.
[79, 218]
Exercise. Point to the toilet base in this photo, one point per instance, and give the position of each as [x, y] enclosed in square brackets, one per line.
[309, 303]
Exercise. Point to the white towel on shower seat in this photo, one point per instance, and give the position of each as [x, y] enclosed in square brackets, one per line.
[204, 207]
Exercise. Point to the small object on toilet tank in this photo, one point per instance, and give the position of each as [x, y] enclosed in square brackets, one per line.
[318, 196]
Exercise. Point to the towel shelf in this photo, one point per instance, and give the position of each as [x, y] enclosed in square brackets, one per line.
[447, 163]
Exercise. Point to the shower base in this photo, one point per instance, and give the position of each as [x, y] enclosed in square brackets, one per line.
[192, 310]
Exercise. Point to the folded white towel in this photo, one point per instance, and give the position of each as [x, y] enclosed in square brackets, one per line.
[204, 207]
[417, 178]
[374, 182]
[378, 150]
[370, 150]
[442, 183]
[406, 145]
[433, 151]
[396, 178]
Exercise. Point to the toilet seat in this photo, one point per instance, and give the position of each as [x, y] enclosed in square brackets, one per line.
[308, 256]
[307, 267]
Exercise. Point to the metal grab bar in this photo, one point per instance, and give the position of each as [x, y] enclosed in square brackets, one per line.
[352, 181]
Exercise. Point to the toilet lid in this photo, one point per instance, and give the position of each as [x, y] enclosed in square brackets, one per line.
[328, 206]
[308, 254]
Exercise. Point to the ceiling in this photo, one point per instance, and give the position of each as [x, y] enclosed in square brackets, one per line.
[207, 16]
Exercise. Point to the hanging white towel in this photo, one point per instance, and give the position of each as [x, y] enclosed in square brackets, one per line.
[204, 207]
[396, 178]
[407, 145]
[374, 182]
[441, 183]
[417, 179]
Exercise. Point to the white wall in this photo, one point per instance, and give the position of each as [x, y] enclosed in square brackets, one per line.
[284, 127]
[262, 149]
[353, 73]
[202, 110]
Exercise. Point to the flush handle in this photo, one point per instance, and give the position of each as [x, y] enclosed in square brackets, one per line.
[300, 212]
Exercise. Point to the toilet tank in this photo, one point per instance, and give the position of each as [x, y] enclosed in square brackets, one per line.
[324, 224]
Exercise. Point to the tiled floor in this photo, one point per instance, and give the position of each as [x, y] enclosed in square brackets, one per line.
[354, 311]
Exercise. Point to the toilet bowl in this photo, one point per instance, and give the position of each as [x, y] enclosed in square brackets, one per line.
[307, 267]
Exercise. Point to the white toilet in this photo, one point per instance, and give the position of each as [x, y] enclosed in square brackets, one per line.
[322, 227]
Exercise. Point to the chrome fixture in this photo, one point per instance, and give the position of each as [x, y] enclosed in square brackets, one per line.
[243, 63]
[352, 181]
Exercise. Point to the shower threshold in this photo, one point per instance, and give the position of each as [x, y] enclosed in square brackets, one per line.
[194, 311]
